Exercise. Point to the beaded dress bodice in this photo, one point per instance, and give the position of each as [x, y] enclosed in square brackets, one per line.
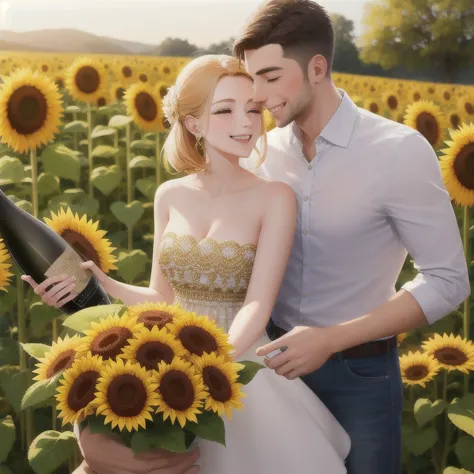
[207, 276]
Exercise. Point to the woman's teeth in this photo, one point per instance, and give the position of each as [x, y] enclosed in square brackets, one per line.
[241, 138]
[277, 108]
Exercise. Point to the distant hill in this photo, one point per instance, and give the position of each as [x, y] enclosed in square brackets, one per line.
[68, 41]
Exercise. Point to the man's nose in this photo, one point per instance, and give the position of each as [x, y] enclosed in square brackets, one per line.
[259, 94]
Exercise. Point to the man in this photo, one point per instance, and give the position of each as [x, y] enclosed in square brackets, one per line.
[369, 190]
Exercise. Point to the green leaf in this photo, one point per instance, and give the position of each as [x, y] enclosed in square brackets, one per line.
[142, 161]
[164, 436]
[104, 151]
[81, 320]
[96, 424]
[73, 109]
[249, 371]
[47, 184]
[147, 187]
[61, 161]
[464, 450]
[425, 411]
[50, 450]
[35, 350]
[11, 170]
[5, 469]
[40, 316]
[77, 126]
[9, 351]
[143, 145]
[128, 214]
[418, 441]
[14, 383]
[455, 470]
[132, 264]
[106, 179]
[209, 426]
[102, 131]
[40, 391]
[7, 435]
[461, 413]
[119, 121]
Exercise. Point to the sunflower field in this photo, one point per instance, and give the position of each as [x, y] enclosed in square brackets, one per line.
[80, 143]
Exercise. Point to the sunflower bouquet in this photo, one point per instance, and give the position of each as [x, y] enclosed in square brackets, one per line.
[156, 375]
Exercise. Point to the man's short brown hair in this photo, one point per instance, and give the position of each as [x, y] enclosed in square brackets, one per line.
[303, 28]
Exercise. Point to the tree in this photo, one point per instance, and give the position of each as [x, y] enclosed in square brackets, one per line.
[419, 34]
[224, 47]
[174, 47]
[346, 56]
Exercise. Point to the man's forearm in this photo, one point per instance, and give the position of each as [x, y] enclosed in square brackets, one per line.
[399, 314]
[131, 294]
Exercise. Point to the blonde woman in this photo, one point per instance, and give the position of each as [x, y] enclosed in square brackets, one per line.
[223, 237]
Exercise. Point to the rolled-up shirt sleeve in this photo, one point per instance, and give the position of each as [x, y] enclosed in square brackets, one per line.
[420, 208]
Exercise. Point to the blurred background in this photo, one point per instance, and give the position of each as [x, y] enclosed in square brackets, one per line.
[91, 167]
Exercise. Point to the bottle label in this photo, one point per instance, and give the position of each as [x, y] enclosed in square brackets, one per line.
[68, 264]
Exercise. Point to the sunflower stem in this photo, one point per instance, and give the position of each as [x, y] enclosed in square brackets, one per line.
[89, 147]
[466, 312]
[129, 182]
[159, 176]
[447, 425]
[34, 181]
[116, 145]
[74, 118]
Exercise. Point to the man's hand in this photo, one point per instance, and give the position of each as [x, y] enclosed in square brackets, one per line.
[308, 348]
[105, 454]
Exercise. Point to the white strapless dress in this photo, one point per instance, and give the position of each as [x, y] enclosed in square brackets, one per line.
[283, 428]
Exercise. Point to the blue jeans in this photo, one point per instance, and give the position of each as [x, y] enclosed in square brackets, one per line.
[366, 397]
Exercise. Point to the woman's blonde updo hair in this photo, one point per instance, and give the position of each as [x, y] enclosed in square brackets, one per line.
[192, 95]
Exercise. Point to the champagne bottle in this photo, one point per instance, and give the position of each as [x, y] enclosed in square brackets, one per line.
[40, 252]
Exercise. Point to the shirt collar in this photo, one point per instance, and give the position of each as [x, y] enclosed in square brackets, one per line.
[338, 130]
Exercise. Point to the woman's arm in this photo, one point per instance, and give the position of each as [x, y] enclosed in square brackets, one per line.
[273, 251]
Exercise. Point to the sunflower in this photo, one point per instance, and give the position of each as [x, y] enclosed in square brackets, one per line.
[144, 106]
[77, 388]
[268, 120]
[454, 119]
[466, 107]
[30, 110]
[117, 92]
[155, 314]
[428, 119]
[86, 80]
[220, 380]
[126, 395]
[373, 105]
[418, 368]
[180, 391]
[199, 335]
[4, 266]
[457, 165]
[391, 101]
[451, 353]
[84, 237]
[109, 336]
[61, 356]
[152, 346]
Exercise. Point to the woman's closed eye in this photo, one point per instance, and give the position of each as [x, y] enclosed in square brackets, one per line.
[228, 111]
[273, 79]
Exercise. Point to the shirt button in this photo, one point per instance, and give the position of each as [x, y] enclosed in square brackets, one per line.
[305, 198]
[305, 231]
[305, 264]
[310, 167]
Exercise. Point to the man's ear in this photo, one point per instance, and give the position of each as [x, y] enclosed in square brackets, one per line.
[191, 124]
[317, 68]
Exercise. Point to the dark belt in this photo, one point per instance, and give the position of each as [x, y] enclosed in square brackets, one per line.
[367, 349]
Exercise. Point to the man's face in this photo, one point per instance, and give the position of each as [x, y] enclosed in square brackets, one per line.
[279, 83]
[234, 122]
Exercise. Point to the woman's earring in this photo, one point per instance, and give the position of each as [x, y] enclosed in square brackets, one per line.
[198, 145]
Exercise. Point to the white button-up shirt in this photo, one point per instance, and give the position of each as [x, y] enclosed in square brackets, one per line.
[372, 194]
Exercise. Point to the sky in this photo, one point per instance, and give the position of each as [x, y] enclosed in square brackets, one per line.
[201, 22]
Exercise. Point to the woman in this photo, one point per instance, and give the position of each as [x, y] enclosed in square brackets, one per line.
[223, 237]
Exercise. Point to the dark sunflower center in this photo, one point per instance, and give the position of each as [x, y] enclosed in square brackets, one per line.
[143, 77]
[217, 383]
[101, 101]
[177, 390]
[165, 123]
[450, 356]
[166, 70]
[431, 90]
[82, 390]
[163, 91]
[127, 71]
[392, 102]
[464, 166]
[374, 108]
[146, 106]
[82, 245]
[119, 92]
[87, 79]
[417, 96]
[416, 372]
[197, 340]
[469, 108]
[27, 110]
[151, 353]
[427, 125]
[44, 67]
[109, 343]
[455, 120]
[154, 317]
[446, 95]
[127, 395]
[62, 362]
